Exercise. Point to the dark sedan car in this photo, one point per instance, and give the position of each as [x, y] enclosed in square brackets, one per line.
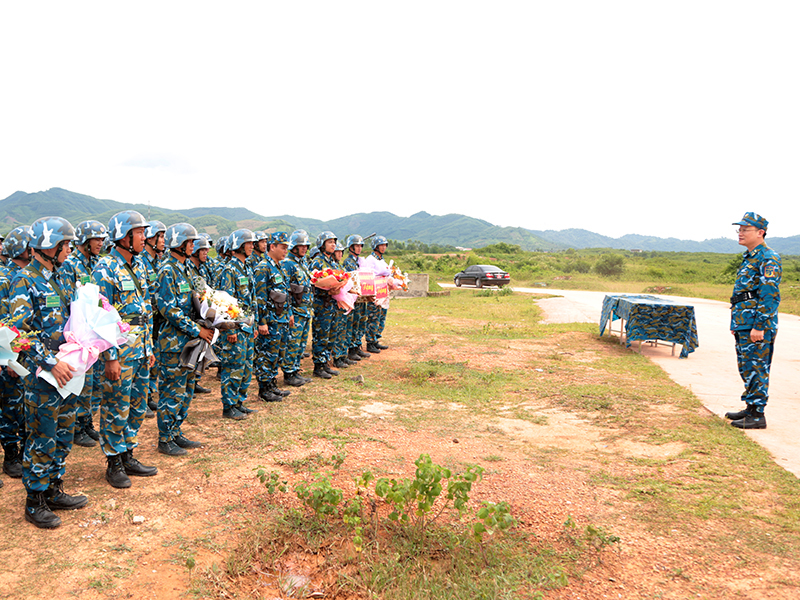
[481, 275]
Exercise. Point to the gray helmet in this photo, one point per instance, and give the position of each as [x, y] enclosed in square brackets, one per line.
[90, 230]
[314, 252]
[202, 243]
[378, 240]
[17, 241]
[154, 228]
[178, 233]
[324, 237]
[299, 238]
[121, 223]
[49, 232]
[339, 247]
[239, 237]
[354, 239]
[222, 245]
[208, 238]
[260, 235]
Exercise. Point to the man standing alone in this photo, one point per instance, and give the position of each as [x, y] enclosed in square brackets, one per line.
[754, 319]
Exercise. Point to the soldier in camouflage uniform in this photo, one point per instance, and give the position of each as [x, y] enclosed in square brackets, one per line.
[39, 304]
[202, 262]
[259, 249]
[339, 329]
[296, 268]
[123, 279]
[12, 413]
[77, 270]
[376, 316]
[153, 255]
[176, 384]
[357, 319]
[275, 318]
[321, 325]
[754, 319]
[236, 348]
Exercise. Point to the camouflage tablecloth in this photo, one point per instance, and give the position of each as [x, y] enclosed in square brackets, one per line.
[651, 318]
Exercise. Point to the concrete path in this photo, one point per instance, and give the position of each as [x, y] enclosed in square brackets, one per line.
[710, 371]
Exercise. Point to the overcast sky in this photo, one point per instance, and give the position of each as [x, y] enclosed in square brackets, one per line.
[660, 118]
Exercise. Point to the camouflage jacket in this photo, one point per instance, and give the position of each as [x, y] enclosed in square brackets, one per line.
[350, 263]
[125, 286]
[76, 269]
[297, 272]
[270, 277]
[759, 272]
[174, 299]
[237, 280]
[38, 302]
[7, 272]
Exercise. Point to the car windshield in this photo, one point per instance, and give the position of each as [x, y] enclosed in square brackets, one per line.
[491, 269]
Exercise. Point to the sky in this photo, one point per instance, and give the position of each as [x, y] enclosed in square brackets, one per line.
[668, 119]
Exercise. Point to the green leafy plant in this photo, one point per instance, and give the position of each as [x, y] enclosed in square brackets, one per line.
[271, 480]
[491, 518]
[320, 496]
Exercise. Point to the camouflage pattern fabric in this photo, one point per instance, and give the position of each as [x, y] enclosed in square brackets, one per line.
[270, 277]
[759, 272]
[175, 394]
[151, 263]
[754, 360]
[376, 321]
[357, 325]
[323, 306]
[123, 406]
[296, 345]
[651, 318]
[340, 333]
[12, 413]
[268, 351]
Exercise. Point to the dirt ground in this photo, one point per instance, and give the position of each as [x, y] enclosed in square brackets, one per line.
[155, 539]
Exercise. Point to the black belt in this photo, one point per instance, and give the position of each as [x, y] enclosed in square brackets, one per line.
[51, 344]
[134, 320]
[742, 296]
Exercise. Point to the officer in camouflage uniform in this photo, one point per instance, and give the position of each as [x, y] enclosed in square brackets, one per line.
[39, 304]
[153, 255]
[296, 268]
[356, 326]
[754, 319]
[275, 319]
[339, 330]
[259, 249]
[77, 270]
[176, 384]
[123, 279]
[236, 348]
[12, 412]
[376, 316]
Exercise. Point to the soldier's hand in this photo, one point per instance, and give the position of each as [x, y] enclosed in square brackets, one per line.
[291, 321]
[62, 372]
[206, 334]
[756, 335]
[263, 330]
[232, 337]
[113, 370]
[152, 359]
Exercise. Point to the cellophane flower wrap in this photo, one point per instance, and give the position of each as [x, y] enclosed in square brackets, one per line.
[398, 279]
[382, 272]
[219, 310]
[329, 279]
[12, 342]
[93, 327]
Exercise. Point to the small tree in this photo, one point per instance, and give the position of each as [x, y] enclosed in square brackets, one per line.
[610, 265]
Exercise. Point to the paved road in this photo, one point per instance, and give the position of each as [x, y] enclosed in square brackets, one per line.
[710, 372]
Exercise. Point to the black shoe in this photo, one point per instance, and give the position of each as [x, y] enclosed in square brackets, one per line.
[341, 363]
[12, 461]
[152, 405]
[735, 416]
[266, 393]
[361, 353]
[81, 439]
[135, 468]
[330, 370]
[353, 355]
[349, 361]
[373, 348]
[115, 472]
[88, 428]
[232, 413]
[380, 346]
[57, 499]
[148, 413]
[170, 448]
[320, 371]
[753, 420]
[199, 389]
[186, 443]
[293, 379]
[306, 355]
[273, 387]
[38, 513]
[242, 409]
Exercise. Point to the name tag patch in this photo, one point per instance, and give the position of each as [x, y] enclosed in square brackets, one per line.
[128, 285]
[152, 277]
[52, 301]
[84, 279]
[184, 287]
[243, 280]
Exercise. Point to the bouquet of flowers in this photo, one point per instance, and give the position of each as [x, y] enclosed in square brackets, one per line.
[219, 310]
[329, 279]
[93, 327]
[12, 342]
[398, 280]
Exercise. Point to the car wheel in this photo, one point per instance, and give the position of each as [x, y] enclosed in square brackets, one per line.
[458, 282]
[478, 283]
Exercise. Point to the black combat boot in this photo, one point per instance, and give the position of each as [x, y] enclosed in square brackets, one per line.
[339, 364]
[329, 369]
[199, 389]
[752, 420]
[152, 404]
[320, 371]
[293, 379]
[57, 499]
[273, 387]
[266, 394]
[373, 348]
[233, 413]
[735, 416]
[38, 513]
[188, 444]
[115, 472]
[242, 409]
[361, 352]
[12, 461]
[135, 468]
[353, 355]
[80, 437]
[170, 448]
[88, 428]
[380, 346]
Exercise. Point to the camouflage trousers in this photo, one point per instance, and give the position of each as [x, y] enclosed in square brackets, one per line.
[89, 400]
[236, 368]
[123, 406]
[269, 349]
[754, 360]
[50, 420]
[340, 332]
[376, 321]
[321, 330]
[357, 325]
[175, 393]
[12, 409]
[298, 339]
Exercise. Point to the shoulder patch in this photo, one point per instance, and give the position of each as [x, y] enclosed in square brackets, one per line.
[771, 271]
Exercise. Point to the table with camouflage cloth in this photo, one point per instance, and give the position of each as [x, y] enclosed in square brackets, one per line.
[650, 318]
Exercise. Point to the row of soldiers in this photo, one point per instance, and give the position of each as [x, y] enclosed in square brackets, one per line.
[149, 272]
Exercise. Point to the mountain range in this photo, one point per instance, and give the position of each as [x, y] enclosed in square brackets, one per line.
[22, 208]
